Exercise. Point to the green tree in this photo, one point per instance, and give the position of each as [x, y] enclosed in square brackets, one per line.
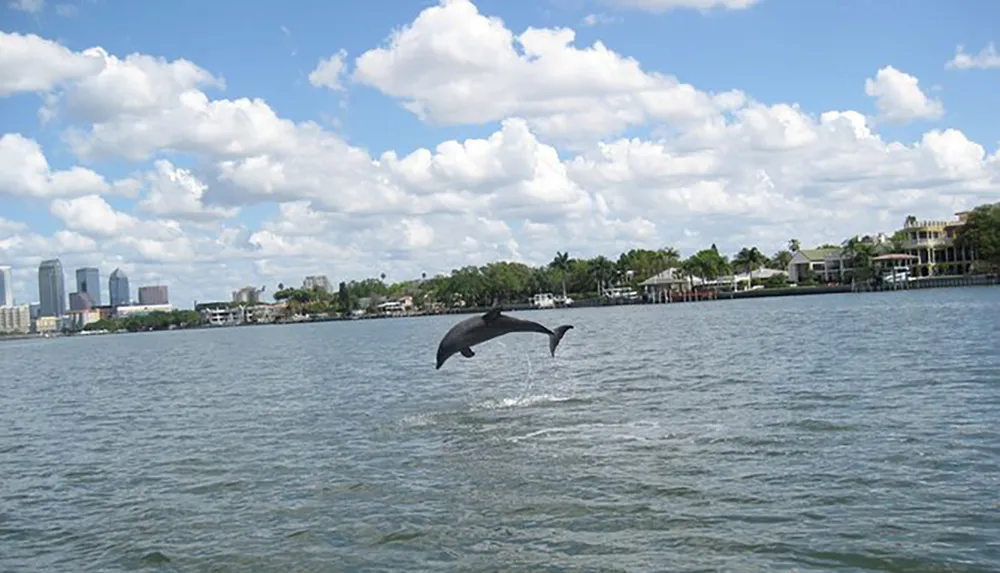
[859, 254]
[562, 264]
[781, 260]
[751, 259]
[344, 298]
[981, 233]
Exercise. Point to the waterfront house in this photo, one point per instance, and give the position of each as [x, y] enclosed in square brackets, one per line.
[659, 288]
[826, 264]
[931, 243]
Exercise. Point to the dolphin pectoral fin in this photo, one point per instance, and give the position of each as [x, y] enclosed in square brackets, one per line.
[467, 352]
[491, 315]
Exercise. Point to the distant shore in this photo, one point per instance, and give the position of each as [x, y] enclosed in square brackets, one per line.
[920, 284]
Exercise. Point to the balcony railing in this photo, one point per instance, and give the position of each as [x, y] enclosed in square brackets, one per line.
[941, 242]
[930, 223]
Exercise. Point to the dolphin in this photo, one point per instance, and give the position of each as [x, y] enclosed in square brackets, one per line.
[478, 329]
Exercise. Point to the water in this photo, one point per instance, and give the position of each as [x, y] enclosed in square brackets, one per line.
[820, 433]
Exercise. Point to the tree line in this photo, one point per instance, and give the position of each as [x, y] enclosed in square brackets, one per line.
[156, 320]
[505, 282]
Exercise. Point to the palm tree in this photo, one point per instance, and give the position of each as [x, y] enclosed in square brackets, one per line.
[751, 259]
[860, 254]
[669, 258]
[562, 263]
[793, 245]
[601, 269]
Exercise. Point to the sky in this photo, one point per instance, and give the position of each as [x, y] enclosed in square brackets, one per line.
[213, 145]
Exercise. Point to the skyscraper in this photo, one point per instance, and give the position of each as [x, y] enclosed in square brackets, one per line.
[118, 290]
[156, 294]
[51, 289]
[88, 280]
[6, 287]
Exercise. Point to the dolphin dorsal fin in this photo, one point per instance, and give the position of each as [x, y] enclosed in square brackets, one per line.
[491, 315]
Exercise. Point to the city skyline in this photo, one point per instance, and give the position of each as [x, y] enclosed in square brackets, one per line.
[51, 286]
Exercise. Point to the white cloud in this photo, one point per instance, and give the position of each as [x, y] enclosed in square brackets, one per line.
[25, 172]
[328, 72]
[176, 192]
[595, 19]
[899, 98]
[554, 174]
[29, 63]
[986, 58]
[92, 215]
[454, 65]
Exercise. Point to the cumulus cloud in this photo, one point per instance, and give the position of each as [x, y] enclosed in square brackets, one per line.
[986, 58]
[899, 98]
[24, 171]
[177, 192]
[224, 191]
[454, 65]
[328, 72]
[29, 63]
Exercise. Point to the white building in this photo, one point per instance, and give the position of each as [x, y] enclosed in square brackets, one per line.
[140, 309]
[15, 319]
[235, 315]
[77, 319]
[248, 295]
[825, 264]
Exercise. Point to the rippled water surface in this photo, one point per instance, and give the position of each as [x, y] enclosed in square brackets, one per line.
[818, 433]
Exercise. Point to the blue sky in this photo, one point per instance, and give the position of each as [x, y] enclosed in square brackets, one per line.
[816, 54]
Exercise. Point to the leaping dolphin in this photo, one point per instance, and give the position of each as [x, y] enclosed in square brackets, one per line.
[478, 329]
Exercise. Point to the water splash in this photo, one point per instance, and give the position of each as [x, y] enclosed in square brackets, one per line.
[529, 377]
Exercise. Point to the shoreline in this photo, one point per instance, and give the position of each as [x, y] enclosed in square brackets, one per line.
[978, 281]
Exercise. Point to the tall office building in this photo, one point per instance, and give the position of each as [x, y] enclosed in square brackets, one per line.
[316, 281]
[6, 286]
[51, 289]
[88, 280]
[118, 290]
[156, 294]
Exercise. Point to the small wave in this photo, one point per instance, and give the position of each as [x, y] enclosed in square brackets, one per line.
[528, 401]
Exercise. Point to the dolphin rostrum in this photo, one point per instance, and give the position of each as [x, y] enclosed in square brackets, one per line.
[478, 329]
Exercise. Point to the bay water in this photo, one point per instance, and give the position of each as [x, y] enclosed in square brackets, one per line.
[849, 432]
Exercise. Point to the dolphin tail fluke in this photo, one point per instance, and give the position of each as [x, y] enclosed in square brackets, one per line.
[556, 336]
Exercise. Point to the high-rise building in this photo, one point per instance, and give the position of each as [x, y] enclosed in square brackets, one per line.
[88, 280]
[150, 295]
[118, 290]
[247, 295]
[80, 301]
[16, 319]
[6, 286]
[316, 281]
[51, 289]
